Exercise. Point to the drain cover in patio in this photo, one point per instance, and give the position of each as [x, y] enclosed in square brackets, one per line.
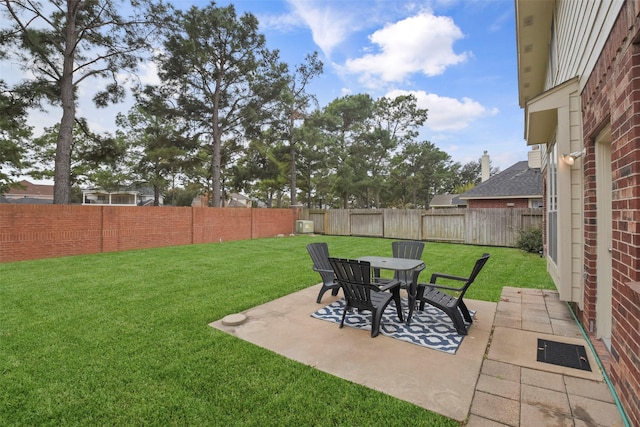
[562, 354]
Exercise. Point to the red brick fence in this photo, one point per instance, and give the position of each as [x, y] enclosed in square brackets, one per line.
[45, 231]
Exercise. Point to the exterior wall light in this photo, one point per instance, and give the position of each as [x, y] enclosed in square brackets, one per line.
[571, 157]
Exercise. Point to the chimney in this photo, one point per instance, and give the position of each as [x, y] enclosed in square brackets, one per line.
[484, 167]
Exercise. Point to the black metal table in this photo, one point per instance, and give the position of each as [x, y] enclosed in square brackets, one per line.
[400, 264]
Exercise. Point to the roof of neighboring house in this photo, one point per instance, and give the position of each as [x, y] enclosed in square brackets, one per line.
[131, 189]
[446, 201]
[30, 201]
[28, 189]
[518, 180]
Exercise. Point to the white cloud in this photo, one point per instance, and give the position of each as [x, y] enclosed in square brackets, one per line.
[148, 73]
[447, 114]
[281, 23]
[329, 26]
[346, 91]
[419, 44]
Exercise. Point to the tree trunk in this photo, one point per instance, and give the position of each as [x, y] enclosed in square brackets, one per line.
[292, 152]
[62, 173]
[216, 157]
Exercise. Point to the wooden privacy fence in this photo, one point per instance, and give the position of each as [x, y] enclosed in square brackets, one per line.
[490, 227]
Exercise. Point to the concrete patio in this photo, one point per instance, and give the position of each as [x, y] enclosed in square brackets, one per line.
[498, 380]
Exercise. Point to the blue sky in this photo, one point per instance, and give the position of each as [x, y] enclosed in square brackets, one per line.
[457, 56]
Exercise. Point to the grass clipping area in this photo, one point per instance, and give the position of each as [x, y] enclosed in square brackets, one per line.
[122, 338]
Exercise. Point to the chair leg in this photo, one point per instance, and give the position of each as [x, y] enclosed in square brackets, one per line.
[324, 289]
[398, 302]
[376, 316]
[344, 314]
[465, 311]
[456, 318]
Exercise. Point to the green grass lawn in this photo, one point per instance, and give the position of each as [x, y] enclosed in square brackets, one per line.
[123, 338]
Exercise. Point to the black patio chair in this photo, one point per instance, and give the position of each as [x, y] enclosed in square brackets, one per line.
[355, 279]
[411, 250]
[449, 299]
[319, 253]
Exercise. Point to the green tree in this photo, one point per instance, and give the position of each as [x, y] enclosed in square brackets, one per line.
[14, 131]
[262, 170]
[423, 170]
[342, 123]
[68, 42]
[155, 135]
[313, 171]
[295, 103]
[179, 196]
[224, 76]
[96, 159]
[393, 124]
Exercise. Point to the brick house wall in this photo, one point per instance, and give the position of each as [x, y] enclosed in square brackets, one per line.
[46, 231]
[498, 203]
[612, 96]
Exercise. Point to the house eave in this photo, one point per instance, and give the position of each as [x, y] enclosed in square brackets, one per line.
[519, 196]
[533, 35]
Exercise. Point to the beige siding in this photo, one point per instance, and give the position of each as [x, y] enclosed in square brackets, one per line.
[579, 29]
[577, 203]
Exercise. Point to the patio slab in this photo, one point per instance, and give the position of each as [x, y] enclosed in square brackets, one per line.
[402, 369]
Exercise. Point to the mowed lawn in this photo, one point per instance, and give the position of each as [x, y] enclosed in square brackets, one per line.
[123, 338]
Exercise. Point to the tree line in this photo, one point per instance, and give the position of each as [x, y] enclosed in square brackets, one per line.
[227, 116]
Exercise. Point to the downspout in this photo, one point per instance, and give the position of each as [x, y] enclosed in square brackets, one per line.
[623, 414]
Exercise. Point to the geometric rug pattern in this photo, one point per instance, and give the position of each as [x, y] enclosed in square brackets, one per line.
[430, 328]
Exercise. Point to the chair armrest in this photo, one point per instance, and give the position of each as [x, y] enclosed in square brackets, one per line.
[322, 270]
[433, 285]
[435, 276]
[392, 283]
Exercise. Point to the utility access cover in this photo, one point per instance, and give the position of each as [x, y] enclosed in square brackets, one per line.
[562, 354]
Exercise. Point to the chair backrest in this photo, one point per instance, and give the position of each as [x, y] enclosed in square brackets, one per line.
[355, 279]
[406, 249]
[474, 273]
[319, 253]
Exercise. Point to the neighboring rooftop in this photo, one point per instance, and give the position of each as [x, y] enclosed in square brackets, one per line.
[519, 180]
[442, 201]
[27, 192]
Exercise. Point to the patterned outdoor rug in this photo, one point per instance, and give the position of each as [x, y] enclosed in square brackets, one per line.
[430, 328]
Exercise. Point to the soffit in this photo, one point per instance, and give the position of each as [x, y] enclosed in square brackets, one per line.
[533, 35]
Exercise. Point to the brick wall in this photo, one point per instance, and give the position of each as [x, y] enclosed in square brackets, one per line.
[611, 96]
[498, 203]
[45, 231]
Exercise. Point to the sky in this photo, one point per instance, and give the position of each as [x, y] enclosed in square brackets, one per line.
[458, 57]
